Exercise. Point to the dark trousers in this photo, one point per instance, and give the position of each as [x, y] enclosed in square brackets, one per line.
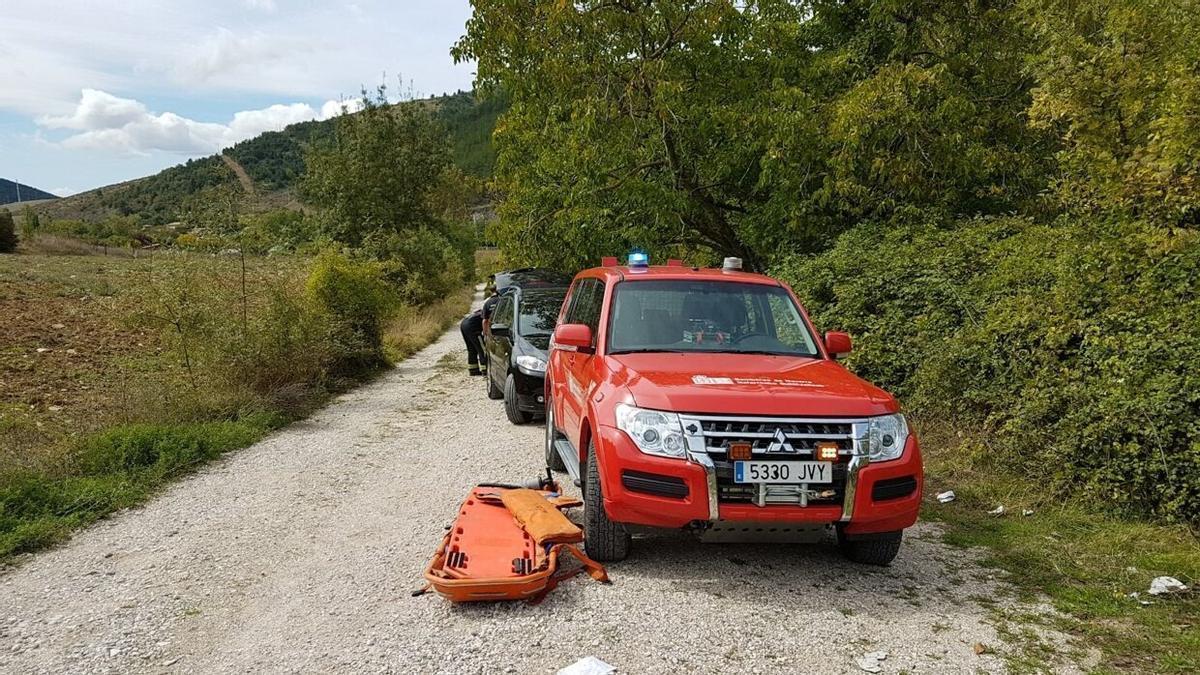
[472, 332]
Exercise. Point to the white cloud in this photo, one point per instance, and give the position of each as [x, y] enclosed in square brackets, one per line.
[111, 123]
[264, 5]
[227, 54]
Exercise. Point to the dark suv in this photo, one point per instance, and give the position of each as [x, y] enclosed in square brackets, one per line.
[516, 347]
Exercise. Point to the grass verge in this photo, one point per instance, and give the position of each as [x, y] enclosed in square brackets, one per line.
[1086, 563]
[118, 375]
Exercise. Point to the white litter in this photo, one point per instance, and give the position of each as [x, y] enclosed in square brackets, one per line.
[998, 511]
[588, 665]
[1026, 512]
[946, 497]
[870, 662]
[1164, 585]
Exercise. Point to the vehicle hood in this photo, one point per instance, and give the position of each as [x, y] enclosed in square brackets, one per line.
[535, 345]
[748, 384]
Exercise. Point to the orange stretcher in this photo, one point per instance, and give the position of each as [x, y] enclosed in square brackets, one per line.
[506, 544]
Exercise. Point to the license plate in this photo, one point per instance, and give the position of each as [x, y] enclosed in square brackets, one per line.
[782, 472]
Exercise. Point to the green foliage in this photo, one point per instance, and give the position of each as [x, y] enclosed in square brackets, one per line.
[358, 301]
[30, 222]
[8, 233]
[1119, 83]
[163, 197]
[385, 186]
[377, 174]
[112, 231]
[470, 123]
[756, 128]
[1072, 345]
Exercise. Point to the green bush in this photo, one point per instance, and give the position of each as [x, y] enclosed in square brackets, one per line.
[1074, 345]
[357, 301]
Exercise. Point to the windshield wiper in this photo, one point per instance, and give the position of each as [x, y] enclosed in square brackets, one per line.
[650, 350]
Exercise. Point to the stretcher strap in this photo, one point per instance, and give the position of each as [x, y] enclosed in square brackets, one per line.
[594, 569]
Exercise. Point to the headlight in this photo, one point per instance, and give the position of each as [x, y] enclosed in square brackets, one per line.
[887, 436]
[531, 364]
[654, 432]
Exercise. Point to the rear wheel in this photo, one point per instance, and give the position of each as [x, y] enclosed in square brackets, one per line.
[553, 459]
[514, 413]
[603, 539]
[880, 549]
[493, 391]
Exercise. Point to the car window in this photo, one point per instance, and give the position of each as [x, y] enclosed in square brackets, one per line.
[707, 316]
[503, 313]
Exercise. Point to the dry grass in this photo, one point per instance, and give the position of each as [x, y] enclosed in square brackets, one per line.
[51, 244]
[415, 327]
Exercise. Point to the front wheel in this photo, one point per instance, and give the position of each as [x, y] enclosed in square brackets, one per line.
[880, 549]
[511, 409]
[603, 539]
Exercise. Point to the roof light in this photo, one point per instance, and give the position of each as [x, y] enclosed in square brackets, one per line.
[639, 259]
[732, 264]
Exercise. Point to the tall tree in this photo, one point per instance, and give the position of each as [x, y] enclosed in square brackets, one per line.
[752, 127]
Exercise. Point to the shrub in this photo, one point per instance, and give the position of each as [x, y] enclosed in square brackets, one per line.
[8, 235]
[356, 300]
[1073, 345]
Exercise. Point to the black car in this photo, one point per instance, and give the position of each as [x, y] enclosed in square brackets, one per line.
[517, 347]
[530, 277]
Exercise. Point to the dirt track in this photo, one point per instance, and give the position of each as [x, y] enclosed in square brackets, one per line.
[298, 555]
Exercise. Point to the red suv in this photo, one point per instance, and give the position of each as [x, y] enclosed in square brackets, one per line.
[703, 399]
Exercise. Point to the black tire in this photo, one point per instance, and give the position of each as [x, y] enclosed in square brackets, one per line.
[494, 392]
[514, 413]
[603, 540]
[878, 550]
[553, 459]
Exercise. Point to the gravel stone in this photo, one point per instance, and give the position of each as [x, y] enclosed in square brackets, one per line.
[299, 555]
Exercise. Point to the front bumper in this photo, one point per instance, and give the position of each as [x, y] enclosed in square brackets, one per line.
[692, 487]
[531, 390]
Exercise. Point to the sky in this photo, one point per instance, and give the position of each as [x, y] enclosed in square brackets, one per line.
[94, 93]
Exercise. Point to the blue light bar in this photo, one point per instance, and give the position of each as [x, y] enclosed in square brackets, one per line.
[639, 259]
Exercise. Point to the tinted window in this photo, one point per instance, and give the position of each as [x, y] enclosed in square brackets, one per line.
[707, 316]
[539, 312]
[503, 314]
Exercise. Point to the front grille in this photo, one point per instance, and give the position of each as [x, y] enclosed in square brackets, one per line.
[763, 434]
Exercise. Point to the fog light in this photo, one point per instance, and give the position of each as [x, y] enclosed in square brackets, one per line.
[740, 452]
[827, 452]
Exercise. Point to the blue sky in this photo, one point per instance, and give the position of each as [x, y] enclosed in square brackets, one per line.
[96, 93]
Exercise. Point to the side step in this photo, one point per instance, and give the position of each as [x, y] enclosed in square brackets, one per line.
[563, 446]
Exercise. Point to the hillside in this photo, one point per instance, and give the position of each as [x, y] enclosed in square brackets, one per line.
[273, 161]
[12, 192]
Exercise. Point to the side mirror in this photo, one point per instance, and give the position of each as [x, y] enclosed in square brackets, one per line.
[837, 344]
[573, 337]
[499, 330]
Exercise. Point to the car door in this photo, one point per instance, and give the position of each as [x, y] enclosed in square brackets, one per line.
[584, 309]
[500, 346]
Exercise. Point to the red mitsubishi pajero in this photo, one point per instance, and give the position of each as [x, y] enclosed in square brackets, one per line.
[703, 398]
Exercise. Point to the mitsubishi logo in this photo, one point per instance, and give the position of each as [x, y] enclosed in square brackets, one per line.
[779, 443]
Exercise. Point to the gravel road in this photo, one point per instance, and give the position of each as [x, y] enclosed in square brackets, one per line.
[299, 555]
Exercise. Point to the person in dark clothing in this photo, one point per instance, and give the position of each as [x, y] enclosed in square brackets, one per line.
[472, 329]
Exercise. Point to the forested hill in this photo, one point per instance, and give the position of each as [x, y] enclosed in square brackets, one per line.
[10, 194]
[273, 161]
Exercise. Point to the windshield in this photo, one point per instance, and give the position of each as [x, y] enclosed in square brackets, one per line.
[539, 311]
[707, 316]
